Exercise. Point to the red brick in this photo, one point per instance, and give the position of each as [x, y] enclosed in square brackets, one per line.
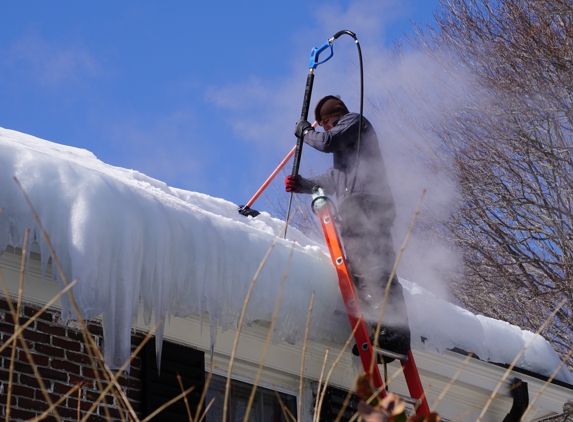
[29, 380]
[136, 361]
[132, 383]
[75, 335]
[89, 372]
[66, 344]
[20, 390]
[39, 360]
[61, 388]
[36, 405]
[4, 305]
[54, 330]
[53, 375]
[7, 352]
[48, 350]
[65, 366]
[39, 395]
[22, 414]
[35, 336]
[95, 329]
[73, 403]
[31, 312]
[6, 328]
[9, 318]
[77, 357]
[134, 394]
[68, 413]
[24, 368]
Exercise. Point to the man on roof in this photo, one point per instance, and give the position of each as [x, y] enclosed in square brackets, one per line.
[366, 211]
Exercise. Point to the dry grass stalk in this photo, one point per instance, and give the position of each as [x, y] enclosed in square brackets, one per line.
[204, 393]
[513, 363]
[241, 319]
[207, 409]
[269, 336]
[304, 355]
[392, 274]
[316, 416]
[169, 403]
[326, 381]
[287, 413]
[185, 398]
[454, 378]
[89, 342]
[80, 385]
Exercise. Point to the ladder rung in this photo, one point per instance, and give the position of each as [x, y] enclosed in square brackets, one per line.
[408, 399]
[388, 353]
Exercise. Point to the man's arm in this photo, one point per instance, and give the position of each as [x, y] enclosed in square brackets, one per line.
[339, 137]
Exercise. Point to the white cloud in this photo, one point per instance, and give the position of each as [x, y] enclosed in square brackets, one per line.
[166, 148]
[51, 63]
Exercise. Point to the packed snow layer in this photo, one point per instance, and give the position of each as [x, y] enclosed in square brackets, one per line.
[130, 240]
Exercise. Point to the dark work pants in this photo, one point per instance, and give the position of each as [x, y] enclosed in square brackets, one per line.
[365, 223]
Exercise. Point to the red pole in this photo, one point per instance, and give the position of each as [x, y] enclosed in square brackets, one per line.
[271, 177]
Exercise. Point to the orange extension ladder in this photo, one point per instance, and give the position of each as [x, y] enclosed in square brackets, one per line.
[321, 207]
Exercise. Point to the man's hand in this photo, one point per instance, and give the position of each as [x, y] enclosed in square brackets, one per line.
[302, 128]
[292, 183]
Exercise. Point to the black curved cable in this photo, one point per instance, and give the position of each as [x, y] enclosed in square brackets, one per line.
[353, 35]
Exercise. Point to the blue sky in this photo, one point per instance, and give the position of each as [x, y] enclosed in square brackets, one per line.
[201, 95]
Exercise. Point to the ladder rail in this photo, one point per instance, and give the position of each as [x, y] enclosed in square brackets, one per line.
[361, 336]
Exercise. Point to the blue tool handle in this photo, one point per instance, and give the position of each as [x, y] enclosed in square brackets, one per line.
[315, 52]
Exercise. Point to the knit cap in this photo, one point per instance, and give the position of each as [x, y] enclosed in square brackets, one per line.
[329, 106]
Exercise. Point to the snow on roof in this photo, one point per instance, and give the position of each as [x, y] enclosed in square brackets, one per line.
[133, 240]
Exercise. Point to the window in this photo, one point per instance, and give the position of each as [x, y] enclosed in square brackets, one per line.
[159, 388]
[266, 406]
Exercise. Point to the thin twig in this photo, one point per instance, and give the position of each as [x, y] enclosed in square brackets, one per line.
[316, 416]
[287, 413]
[207, 409]
[185, 397]
[205, 388]
[269, 335]
[304, 356]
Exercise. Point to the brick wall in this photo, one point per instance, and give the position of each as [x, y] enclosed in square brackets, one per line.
[59, 353]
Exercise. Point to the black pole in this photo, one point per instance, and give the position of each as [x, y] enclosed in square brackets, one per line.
[299, 141]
